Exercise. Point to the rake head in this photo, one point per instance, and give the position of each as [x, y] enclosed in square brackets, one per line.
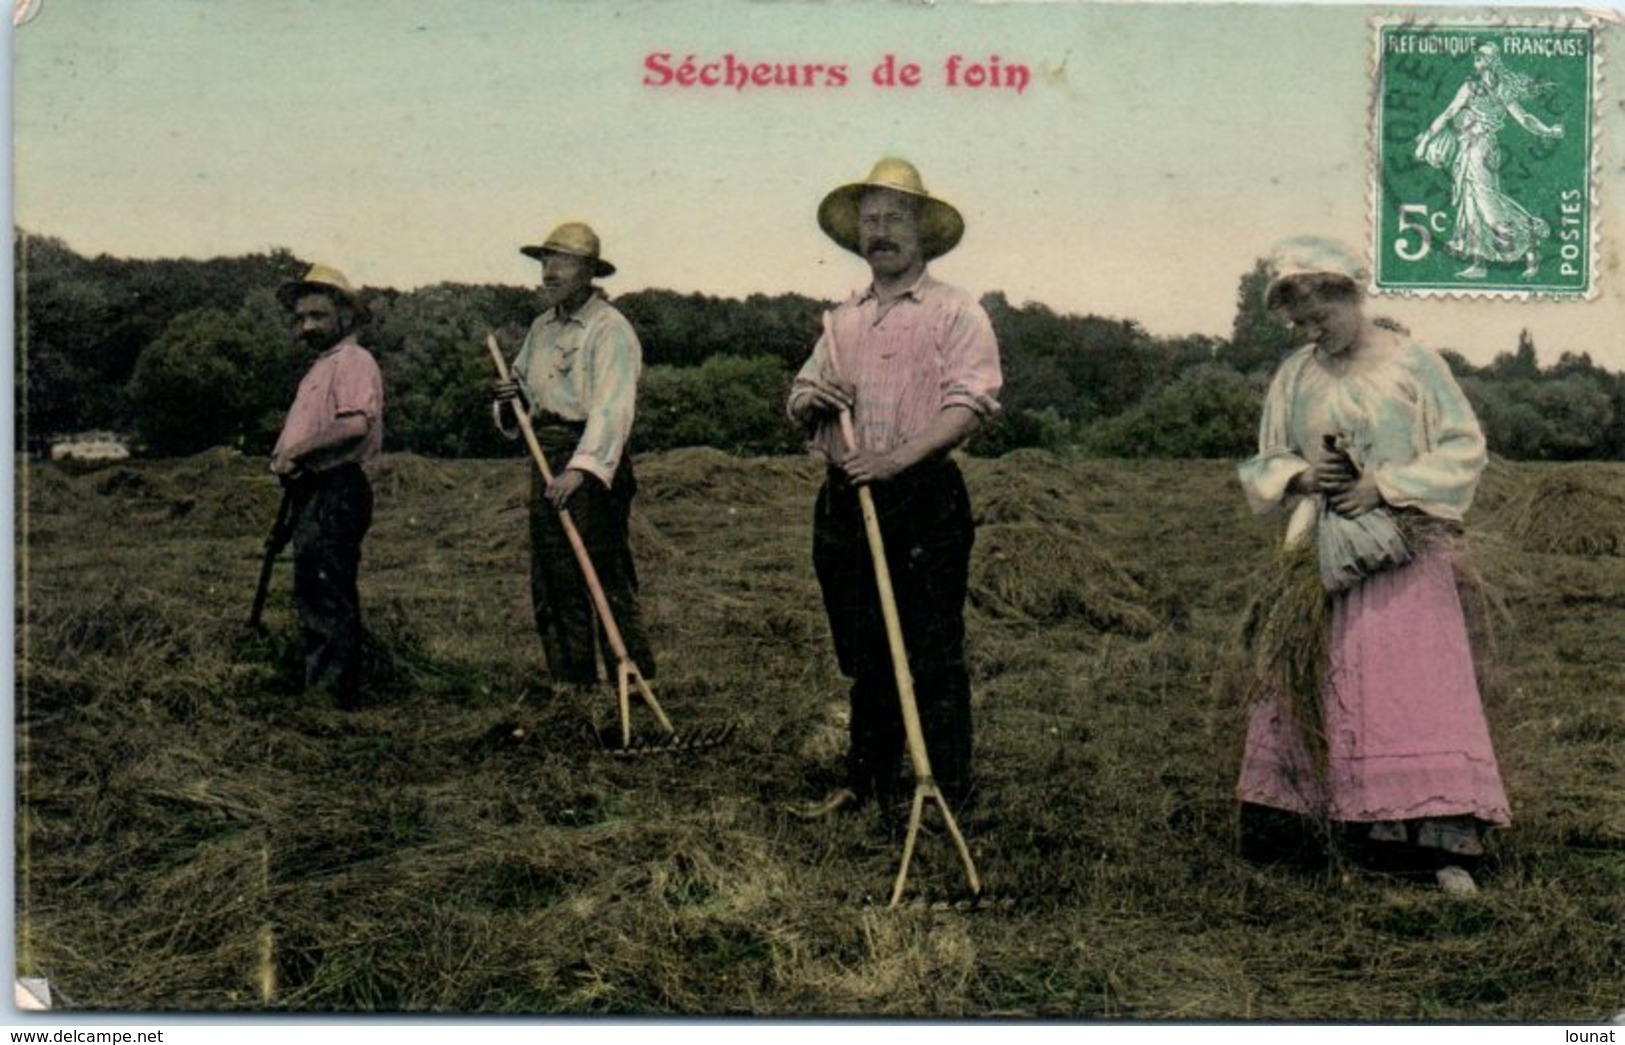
[673, 743]
[960, 902]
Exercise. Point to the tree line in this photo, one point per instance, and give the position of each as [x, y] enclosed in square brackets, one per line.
[190, 354]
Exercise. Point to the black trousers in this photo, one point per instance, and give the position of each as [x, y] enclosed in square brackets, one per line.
[334, 517]
[571, 638]
[926, 525]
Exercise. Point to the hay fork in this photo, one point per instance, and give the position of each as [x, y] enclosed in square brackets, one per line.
[627, 675]
[925, 784]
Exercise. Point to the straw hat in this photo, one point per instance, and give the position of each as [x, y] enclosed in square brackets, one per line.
[575, 238]
[1312, 256]
[320, 279]
[940, 224]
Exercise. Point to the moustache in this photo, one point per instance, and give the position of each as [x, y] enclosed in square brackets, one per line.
[879, 245]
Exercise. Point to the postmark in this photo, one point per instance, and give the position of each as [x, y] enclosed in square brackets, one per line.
[1484, 159]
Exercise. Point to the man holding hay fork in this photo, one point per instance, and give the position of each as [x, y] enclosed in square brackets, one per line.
[577, 374]
[334, 428]
[1369, 715]
[916, 364]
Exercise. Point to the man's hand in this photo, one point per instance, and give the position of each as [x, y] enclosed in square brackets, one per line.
[862, 466]
[563, 485]
[283, 465]
[823, 395]
[506, 392]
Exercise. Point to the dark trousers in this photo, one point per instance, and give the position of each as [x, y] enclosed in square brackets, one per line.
[572, 641]
[926, 525]
[335, 515]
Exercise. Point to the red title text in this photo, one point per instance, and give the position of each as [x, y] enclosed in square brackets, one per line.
[732, 72]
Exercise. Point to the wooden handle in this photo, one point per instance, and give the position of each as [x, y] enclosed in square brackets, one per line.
[599, 601]
[888, 597]
[925, 785]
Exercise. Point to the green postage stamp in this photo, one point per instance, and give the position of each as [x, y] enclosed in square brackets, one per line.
[1484, 159]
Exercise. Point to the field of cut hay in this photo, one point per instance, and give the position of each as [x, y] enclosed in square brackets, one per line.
[195, 835]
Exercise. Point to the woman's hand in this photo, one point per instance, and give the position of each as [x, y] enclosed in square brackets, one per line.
[1334, 475]
[1354, 497]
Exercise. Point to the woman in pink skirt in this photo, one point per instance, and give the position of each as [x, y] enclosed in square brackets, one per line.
[1370, 445]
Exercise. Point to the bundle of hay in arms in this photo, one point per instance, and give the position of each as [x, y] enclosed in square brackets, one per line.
[1286, 627]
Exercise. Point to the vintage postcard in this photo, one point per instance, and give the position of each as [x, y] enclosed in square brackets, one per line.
[779, 509]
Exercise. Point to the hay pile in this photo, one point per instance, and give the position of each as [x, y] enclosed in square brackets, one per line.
[1036, 487]
[218, 492]
[700, 472]
[1040, 549]
[400, 475]
[1036, 572]
[45, 488]
[1566, 513]
[1501, 484]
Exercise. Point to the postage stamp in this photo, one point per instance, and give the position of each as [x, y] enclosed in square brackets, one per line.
[1483, 159]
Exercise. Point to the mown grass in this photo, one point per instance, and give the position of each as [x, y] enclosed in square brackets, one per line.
[195, 835]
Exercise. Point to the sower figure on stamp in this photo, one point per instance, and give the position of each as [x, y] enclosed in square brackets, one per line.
[1368, 440]
[577, 373]
[333, 430]
[916, 364]
[1490, 226]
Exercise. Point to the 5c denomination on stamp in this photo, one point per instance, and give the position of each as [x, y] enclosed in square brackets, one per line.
[1484, 159]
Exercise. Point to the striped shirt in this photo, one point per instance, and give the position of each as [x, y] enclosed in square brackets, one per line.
[585, 367]
[343, 381]
[910, 358]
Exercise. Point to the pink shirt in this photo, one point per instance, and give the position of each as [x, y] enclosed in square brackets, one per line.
[910, 358]
[344, 380]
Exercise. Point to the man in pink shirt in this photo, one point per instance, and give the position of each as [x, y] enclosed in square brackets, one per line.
[916, 363]
[333, 429]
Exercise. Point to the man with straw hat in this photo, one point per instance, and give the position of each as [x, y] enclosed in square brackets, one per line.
[916, 364]
[577, 373]
[334, 428]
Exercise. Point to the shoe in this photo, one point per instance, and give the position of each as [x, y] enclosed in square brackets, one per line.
[837, 800]
[1455, 881]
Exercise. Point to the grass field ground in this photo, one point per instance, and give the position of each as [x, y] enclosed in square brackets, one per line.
[195, 835]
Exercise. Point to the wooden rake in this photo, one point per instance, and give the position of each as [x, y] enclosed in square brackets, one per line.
[925, 784]
[627, 675]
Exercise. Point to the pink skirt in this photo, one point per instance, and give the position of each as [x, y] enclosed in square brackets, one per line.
[1405, 726]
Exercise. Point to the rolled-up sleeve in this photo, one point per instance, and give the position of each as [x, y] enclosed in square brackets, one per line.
[971, 376]
[614, 361]
[358, 386]
[817, 366]
[1266, 475]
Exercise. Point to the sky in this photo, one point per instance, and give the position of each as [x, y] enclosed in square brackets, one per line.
[1156, 151]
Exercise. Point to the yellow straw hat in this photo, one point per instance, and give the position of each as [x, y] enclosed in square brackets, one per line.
[323, 279]
[940, 224]
[575, 238]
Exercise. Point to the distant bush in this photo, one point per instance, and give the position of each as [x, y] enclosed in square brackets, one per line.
[1022, 429]
[211, 379]
[1549, 418]
[1210, 411]
[727, 402]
